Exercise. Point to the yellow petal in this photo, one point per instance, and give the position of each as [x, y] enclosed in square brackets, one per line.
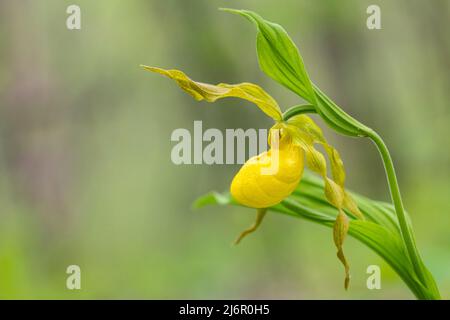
[252, 188]
[306, 133]
[340, 230]
[211, 93]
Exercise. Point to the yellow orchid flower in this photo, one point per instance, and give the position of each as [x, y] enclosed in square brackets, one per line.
[268, 178]
[252, 188]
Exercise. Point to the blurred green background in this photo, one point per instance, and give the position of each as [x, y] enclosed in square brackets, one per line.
[85, 170]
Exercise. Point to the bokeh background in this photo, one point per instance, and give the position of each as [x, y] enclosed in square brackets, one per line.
[85, 170]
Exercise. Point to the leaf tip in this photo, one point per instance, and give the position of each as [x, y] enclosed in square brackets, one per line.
[148, 68]
[203, 201]
[230, 10]
[245, 13]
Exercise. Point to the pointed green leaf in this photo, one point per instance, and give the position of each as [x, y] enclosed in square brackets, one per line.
[278, 56]
[379, 232]
[280, 59]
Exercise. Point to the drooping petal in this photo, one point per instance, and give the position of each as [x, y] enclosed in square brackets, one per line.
[260, 214]
[211, 93]
[309, 133]
[306, 133]
[340, 230]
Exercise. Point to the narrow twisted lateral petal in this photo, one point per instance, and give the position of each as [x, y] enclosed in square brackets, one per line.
[260, 214]
[334, 193]
[340, 230]
[306, 133]
[204, 91]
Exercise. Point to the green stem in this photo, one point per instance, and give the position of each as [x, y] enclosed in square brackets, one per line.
[403, 219]
[298, 109]
[407, 235]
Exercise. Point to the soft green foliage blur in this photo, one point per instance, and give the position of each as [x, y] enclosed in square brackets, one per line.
[86, 175]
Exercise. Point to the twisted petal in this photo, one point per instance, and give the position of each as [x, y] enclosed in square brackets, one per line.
[211, 93]
[306, 133]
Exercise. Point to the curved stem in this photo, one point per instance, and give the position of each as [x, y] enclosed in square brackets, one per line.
[403, 219]
[298, 109]
[407, 235]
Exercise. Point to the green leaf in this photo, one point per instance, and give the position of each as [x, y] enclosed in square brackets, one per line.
[380, 231]
[280, 59]
[278, 56]
[213, 198]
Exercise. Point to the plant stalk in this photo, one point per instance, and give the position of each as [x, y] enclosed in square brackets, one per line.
[403, 220]
[406, 233]
[298, 109]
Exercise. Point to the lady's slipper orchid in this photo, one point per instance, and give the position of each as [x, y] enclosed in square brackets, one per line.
[259, 183]
[265, 181]
[257, 186]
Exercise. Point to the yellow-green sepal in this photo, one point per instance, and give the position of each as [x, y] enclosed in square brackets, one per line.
[209, 92]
